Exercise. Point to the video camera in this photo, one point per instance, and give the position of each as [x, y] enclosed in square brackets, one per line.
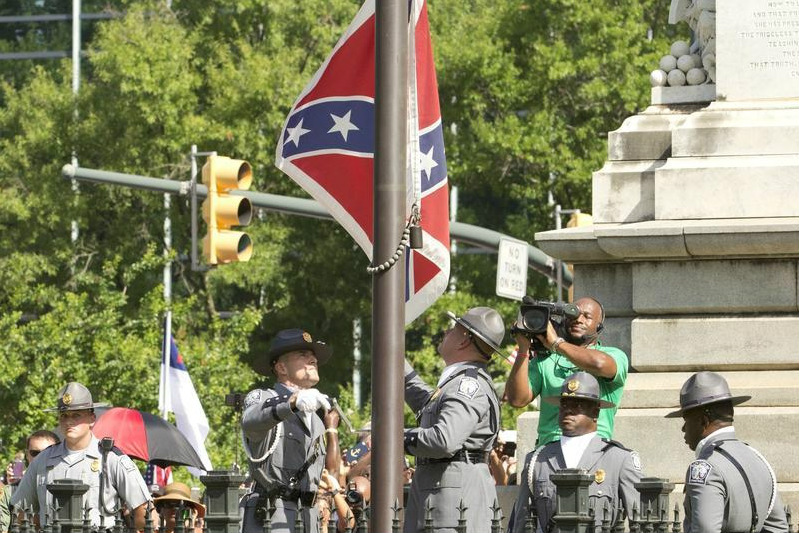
[534, 315]
[353, 495]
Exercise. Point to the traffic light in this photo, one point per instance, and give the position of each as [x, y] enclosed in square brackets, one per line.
[221, 211]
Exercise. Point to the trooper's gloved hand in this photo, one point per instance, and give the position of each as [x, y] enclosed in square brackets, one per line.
[310, 400]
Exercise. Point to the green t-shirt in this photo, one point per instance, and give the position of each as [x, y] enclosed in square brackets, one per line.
[546, 376]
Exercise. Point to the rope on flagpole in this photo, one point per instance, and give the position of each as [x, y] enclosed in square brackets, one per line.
[414, 220]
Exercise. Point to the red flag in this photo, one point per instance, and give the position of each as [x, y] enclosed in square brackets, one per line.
[327, 147]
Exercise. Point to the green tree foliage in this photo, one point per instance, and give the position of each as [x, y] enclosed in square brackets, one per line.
[526, 103]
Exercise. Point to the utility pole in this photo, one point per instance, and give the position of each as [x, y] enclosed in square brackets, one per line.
[453, 244]
[76, 8]
[357, 393]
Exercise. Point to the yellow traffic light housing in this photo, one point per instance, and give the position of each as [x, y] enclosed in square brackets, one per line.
[221, 211]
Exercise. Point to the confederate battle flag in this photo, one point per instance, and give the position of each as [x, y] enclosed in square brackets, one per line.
[327, 147]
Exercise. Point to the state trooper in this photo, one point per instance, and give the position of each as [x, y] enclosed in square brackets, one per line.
[458, 424]
[283, 435]
[730, 486]
[615, 468]
[110, 474]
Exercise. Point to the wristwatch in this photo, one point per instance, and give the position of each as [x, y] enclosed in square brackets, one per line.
[557, 343]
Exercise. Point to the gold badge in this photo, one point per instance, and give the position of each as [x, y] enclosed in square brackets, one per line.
[95, 466]
[573, 385]
[306, 336]
[599, 476]
[66, 399]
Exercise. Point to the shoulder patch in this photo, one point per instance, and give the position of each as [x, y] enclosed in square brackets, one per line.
[252, 397]
[698, 472]
[636, 461]
[127, 463]
[468, 387]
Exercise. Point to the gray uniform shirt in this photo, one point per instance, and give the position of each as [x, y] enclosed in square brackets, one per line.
[269, 423]
[123, 481]
[716, 497]
[615, 469]
[462, 414]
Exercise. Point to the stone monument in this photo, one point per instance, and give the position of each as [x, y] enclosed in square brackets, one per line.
[694, 251]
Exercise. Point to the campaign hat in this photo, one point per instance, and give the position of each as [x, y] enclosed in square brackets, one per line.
[580, 385]
[484, 323]
[74, 397]
[289, 340]
[705, 388]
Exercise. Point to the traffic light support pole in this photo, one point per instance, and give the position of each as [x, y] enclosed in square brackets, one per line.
[460, 231]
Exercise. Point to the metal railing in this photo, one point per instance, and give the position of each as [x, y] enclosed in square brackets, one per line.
[575, 511]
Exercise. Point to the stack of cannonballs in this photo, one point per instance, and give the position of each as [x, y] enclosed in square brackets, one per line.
[679, 68]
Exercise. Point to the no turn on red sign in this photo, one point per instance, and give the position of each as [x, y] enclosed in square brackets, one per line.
[512, 269]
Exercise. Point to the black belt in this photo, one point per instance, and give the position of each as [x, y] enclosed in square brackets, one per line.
[463, 456]
[308, 499]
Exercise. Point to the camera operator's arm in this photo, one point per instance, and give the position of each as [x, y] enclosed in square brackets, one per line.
[363, 464]
[346, 520]
[592, 361]
[333, 457]
[496, 466]
[517, 388]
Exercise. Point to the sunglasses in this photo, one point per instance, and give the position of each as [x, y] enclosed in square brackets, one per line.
[34, 453]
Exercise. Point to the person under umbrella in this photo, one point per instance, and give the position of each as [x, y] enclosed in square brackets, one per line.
[177, 497]
[111, 475]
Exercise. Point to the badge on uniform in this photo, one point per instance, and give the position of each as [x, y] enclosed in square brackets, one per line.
[599, 475]
[95, 466]
[468, 387]
[252, 398]
[698, 472]
[66, 398]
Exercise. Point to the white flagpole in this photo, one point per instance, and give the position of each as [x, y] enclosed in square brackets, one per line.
[164, 394]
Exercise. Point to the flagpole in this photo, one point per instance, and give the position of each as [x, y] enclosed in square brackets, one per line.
[166, 353]
[388, 304]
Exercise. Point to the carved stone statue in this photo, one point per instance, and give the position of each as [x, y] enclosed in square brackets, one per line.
[701, 17]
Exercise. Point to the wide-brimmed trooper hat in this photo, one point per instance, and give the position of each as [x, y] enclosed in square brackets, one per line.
[485, 324]
[74, 397]
[180, 492]
[289, 340]
[704, 388]
[580, 385]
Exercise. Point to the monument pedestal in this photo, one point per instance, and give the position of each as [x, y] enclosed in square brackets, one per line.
[694, 251]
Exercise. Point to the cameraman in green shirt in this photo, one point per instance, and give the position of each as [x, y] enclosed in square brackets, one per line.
[543, 373]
